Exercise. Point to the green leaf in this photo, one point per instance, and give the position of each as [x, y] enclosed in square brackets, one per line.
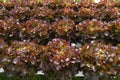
[56, 1]
[39, 1]
[4, 1]
[76, 1]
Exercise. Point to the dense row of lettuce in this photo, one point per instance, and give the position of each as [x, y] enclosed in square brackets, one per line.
[60, 38]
